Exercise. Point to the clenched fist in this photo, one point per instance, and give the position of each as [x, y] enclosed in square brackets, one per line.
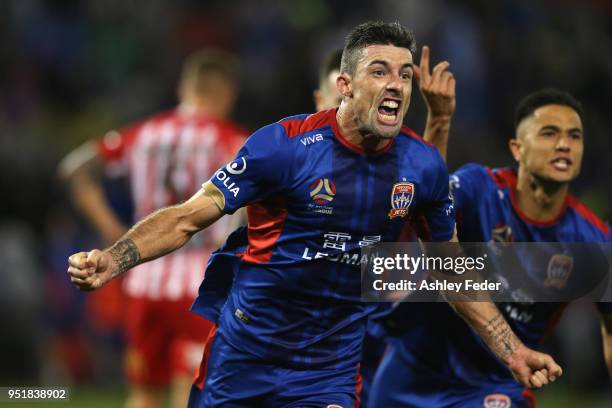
[532, 368]
[90, 270]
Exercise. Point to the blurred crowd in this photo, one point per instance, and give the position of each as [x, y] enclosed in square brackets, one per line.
[70, 70]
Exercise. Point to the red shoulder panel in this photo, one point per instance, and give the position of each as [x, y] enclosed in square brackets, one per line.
[504, 178]
[588, 214]
[295, 127]
[264, 228]
[415, 135]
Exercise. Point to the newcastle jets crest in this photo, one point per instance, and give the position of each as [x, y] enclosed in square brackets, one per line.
[559, 270]
[401, 197]
[497, 401]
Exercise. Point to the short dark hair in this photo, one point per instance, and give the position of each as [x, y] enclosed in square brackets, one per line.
[331, 63]
[549, 96]
[374, 33]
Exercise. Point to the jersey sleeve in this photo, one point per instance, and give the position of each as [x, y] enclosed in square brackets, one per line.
[441, 213]
[466, 183]
[261, 168]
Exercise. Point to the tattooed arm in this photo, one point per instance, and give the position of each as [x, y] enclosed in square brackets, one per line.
[531, 368]
[158, 234]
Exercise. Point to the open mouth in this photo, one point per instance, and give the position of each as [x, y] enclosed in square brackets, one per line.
[561, 164]
[388, 111]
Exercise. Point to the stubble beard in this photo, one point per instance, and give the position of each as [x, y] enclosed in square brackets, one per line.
[370, 131]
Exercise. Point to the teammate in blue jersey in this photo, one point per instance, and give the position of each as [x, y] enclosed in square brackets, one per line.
[317, 189]
[429, 364]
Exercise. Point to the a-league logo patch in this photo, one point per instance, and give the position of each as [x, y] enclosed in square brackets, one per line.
[322, 191]
[401, 198]
[497, 401]
[559, 270]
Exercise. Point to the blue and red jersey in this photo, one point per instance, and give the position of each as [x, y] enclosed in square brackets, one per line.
[313, 201]
[431, 336]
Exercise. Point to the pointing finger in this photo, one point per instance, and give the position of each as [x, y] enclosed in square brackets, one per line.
[424, 65]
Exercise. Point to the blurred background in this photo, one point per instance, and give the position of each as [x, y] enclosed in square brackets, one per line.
[71, 70]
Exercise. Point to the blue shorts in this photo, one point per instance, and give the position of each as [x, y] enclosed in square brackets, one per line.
[397, 384]
[232, 378]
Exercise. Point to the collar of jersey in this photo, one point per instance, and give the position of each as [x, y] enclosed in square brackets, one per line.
[524, 217]
[349, 145]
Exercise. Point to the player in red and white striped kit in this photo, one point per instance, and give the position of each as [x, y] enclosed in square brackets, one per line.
[166, 157]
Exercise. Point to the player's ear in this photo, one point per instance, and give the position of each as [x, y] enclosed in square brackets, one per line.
[515, 147]
[344, 85]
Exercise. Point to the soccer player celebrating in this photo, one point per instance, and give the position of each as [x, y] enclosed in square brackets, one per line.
[165, 156]
[446, 365]
[439, 98]
[317, 189]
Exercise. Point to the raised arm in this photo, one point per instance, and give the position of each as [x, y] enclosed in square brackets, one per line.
[82, 169]
[158, 234]
[438, 91]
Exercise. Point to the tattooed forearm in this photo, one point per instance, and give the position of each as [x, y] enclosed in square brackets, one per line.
[125, 254]
[500, 337]
[491, 326]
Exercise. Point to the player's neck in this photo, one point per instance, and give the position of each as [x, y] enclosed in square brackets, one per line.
[348, 125]
[538, 199]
